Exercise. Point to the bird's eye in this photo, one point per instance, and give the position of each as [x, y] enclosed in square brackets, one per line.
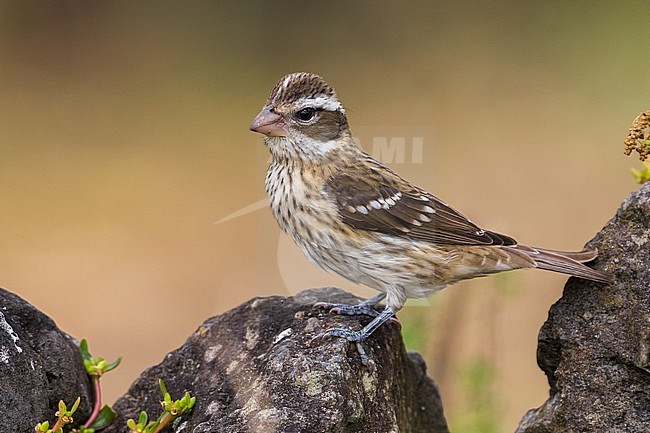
[306, 114]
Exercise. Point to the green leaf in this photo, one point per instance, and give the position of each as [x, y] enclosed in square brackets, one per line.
[643, 175]
[105, 418]
[75, 405]
[83, 348]
[113, 364]
[153, 425]
[142, 419]
[163, 389]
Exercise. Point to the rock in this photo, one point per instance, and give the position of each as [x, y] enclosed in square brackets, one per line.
[595, 345]
[39, 365]
[253, 369]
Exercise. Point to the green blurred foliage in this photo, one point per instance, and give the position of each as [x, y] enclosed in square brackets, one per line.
[642, 175]
[475, 379]
[416, 325]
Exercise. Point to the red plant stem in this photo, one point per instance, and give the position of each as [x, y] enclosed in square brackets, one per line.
[166, 418]
[58, 424]
[98, 401]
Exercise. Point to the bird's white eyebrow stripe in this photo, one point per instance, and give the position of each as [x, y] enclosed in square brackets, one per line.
[322, 102]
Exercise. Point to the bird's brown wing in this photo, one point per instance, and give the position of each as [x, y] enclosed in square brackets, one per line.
[371, 197]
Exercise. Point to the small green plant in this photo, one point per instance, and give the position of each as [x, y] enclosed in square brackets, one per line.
[64, 416]
[171, 410]
[643, 175]
[638, 139]
[101, 416]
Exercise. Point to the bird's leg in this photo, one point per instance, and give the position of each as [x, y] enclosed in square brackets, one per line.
[365, 307]
[358, 337]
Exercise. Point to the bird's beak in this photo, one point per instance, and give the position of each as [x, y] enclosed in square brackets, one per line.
[269, 123]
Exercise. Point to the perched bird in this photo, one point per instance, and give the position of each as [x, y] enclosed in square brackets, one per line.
[353, 216]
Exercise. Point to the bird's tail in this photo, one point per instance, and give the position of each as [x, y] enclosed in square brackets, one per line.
[566, 262]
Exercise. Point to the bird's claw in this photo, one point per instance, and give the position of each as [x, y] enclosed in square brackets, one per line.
[352, 336]
[353, 310]
[394, 321]
[348, 310]
[357, 337]
[365, 359]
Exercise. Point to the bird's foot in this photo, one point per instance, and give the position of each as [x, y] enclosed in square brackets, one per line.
[355, 337]
[362, 309]
[348, 310]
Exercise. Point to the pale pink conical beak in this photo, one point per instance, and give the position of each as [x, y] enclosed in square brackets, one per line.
[269, 123]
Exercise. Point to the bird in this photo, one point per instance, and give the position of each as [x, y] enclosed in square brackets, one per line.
[353, 216]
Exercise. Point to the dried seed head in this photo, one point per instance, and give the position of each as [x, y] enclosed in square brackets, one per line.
[638, 138]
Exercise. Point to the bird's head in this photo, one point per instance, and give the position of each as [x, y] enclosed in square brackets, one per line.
[303, 118]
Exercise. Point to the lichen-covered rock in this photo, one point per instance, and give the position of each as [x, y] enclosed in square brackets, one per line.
[253, 369]
[39, 365]
[595, 345]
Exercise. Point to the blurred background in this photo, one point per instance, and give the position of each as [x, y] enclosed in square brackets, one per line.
[124, 140]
